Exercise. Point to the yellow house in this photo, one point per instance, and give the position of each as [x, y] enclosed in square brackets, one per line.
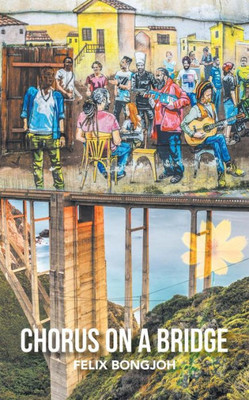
[72, 41]
[224, 37]
[155, 41]
[191, 43]
[242, 50]
[106, 33]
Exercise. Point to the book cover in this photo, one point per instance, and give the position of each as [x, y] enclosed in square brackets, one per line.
[124, 200]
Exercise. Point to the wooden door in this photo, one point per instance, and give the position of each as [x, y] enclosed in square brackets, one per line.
[20, 70]
[101, 39]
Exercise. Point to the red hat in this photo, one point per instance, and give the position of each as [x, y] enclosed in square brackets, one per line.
[228, 66]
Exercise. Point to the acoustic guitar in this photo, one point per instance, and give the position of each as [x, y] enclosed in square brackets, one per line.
[207, 126]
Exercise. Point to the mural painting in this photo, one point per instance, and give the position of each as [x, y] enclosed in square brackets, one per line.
[116, 100]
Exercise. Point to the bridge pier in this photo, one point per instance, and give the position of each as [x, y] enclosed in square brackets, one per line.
[208, 252]
[193, 254]
[78, 291]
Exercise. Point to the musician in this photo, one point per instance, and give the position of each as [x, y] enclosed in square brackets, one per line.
[167, 122]
[142, 82]
[203, 109]
[65, 80]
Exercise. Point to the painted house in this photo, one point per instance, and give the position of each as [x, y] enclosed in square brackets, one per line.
[192, 43]
[38, 38]
[106, 33]
[73, 41]
[224, 37]
[12, 31]
[242, 50]
[155, 41]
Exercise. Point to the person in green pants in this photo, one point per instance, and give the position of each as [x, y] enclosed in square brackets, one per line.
[43, 120]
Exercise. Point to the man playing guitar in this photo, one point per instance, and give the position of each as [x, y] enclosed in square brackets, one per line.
[202, 110]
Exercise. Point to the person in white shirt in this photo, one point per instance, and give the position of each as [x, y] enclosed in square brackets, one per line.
[188, 79]
[122, 82]
[65, 80]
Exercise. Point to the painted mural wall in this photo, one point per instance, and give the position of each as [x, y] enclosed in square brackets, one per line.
[129, 97]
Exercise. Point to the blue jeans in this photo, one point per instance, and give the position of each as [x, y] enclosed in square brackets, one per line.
[169, 150]
[230, 111]
[118, 107]
[217, 99]
[218, 144]
[192, 98]
[122, 151]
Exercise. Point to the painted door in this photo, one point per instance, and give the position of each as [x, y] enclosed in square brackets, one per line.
[21, 67]
[101, 39]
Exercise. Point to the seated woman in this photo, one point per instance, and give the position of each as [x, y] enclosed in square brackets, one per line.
[95, 119]
[132, 130]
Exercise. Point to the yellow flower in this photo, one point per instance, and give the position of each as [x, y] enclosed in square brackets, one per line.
[224, 250]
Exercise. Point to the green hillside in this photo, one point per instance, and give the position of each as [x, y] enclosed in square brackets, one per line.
[22, 376]
[198, 376]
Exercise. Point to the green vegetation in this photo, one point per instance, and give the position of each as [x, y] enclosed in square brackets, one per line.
[22, 376]
[205, 376]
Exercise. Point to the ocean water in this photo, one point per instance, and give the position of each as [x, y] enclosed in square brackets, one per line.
[41, 210]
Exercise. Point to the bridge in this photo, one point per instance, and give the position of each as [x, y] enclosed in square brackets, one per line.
[78, 267]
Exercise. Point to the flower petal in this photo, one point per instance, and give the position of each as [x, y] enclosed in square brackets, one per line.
[219, 266]
[190, 240]
[222, 231]
[185, 257]
[231, 251]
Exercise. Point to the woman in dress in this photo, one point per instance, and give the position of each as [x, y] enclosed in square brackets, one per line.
[96, 80]
[170, 64]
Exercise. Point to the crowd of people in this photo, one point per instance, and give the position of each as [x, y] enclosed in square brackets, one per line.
[166, 104]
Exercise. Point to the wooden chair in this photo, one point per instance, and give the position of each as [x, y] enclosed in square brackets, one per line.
[98, 150]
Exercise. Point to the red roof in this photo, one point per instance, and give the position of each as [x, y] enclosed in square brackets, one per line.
[73, 34]
[38, 36]
[118, 5]
[7, 20]
[162, 28]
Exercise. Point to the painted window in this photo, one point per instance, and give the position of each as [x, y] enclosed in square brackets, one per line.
[21, 31]
[76, 40]
[163, 39]
[87, 34]
[3, 31]
[216, 34]
[194, 48]
[70, 40]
